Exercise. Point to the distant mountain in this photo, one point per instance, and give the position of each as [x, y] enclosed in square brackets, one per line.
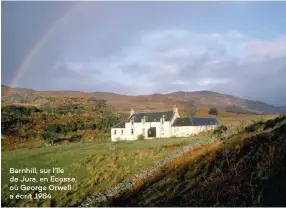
[260, 106]
[184, 100]
[282, 109]
[223, 101]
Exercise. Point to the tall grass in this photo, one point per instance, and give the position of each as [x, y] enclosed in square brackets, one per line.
[248, 169]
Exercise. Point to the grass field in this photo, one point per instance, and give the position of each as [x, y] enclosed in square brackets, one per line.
[234, 119]
[95, 166]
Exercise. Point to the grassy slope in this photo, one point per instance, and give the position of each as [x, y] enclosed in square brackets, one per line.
[249, 169]
[235, 121]
[96, 166]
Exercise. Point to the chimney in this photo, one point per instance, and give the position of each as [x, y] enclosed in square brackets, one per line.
[131, 112]
[175, 109]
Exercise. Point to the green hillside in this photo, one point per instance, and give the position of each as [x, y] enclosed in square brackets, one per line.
[73, 120]
[247, 169]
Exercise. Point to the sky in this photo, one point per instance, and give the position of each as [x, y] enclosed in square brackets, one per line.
[134, 48]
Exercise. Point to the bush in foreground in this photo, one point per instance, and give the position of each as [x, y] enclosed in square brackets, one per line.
[220, 131]
[141, 137]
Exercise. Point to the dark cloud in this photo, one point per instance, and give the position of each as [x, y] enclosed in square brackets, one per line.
[119, 47]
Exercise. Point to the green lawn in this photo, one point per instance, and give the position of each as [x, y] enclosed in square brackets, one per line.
[96, 166]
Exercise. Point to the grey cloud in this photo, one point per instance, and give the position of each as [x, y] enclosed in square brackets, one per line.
[261, 81]
[136, 69]
[214, 70]
[118, 47]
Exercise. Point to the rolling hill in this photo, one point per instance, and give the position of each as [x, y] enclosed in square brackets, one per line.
[153, 102]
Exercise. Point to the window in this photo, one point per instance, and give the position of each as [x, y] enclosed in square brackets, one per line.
[132, 121]
[114, 132]
[132, 131]
[121, 132]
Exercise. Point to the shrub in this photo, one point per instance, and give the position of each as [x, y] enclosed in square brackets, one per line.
[220, 131]
[51, 133]
[109, 119]
[253, 127]
[141, 137]
[213, 111]
[20, 110]
[272, 123]
[49, 137]
[250, 128]
[117, 139]
[76, 138]
[12, 123]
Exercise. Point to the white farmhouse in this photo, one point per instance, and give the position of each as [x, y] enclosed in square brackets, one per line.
[160, 125]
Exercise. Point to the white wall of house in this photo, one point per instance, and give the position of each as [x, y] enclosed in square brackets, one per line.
[118, 134]
[162, 130]
[183, 131]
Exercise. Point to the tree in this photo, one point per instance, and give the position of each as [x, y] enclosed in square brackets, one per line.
[220, 131]
[213, 111]
[109, 119]
[20, 110]
[51, 133]
[49, 136]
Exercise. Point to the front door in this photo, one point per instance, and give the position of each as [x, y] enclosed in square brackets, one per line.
[152, 132]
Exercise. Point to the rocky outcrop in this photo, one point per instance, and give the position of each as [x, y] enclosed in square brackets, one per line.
[26, 98]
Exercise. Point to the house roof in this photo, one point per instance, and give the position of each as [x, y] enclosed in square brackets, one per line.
[152, 116]
[185, 121]
[199, 121]
[120, 125]
[194, 121]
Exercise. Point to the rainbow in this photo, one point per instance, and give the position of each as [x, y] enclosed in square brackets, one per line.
[39, 45]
